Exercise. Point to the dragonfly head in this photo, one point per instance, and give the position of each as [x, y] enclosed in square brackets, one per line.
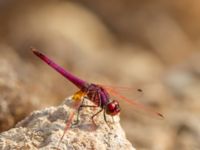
[113, 108]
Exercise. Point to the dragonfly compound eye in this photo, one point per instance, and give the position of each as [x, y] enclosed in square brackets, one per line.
[112, 108]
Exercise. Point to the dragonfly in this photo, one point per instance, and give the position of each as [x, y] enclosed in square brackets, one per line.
[100, 95]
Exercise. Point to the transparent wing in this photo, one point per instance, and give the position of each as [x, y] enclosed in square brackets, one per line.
[77, 97]
[115, 93]
[121, 88]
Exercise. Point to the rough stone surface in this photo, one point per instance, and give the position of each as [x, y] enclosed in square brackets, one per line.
[44, 128]
[13, 97]
[90, 40]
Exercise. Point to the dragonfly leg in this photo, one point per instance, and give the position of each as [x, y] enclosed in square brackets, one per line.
[104, 116]
[88, 106]
[77, 117]
[99, 104]
[105, 119]
[96, 93]
[79, 109]
[95, 116]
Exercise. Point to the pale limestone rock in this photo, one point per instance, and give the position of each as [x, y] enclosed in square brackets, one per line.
[44, 128]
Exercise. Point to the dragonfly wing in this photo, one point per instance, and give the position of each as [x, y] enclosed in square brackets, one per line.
[77, 97]
[115, 93]
[121, 87]
[136, 92]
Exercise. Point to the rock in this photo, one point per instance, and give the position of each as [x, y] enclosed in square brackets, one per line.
[44, 128]
[13, 97]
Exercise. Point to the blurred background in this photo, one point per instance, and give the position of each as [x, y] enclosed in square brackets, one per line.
[152, 45]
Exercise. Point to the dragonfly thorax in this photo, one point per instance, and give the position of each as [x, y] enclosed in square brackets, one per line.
[97, 94]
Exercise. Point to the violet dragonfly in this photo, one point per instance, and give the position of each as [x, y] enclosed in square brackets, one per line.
[100, 95]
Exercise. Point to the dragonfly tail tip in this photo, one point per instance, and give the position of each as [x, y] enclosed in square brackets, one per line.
[36, 52]
[33, 49]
